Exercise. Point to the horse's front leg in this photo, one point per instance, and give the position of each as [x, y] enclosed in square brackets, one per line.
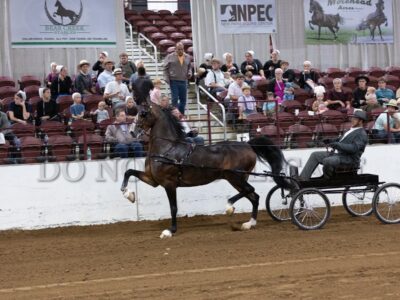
[380, 32]
[171, 193]
[143, 176]
[310, 24]
[319, 32]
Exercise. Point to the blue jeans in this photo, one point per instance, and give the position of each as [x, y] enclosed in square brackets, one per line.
[198, 140]
[382, 134]
[179, 93]
[123, 149]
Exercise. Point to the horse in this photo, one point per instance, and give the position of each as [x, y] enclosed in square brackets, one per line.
[63, 12]
[374, 20]
[320, 19]
[171, 162]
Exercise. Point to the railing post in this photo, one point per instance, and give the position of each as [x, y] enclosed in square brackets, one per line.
[209, 122]
[389, 133]
[277, 120]
[84, 143]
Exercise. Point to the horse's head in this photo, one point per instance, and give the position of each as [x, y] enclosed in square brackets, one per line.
[147, 116]
[58, 3]
[315, 7]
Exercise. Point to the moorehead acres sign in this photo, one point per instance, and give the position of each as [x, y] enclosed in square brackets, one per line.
[254, 16]
[62, 23]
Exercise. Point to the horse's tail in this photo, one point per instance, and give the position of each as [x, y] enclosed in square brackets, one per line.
[340, 19]
[266, 150]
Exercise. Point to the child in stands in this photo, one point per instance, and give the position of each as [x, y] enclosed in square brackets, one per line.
[101, 112]
[155, 93]
[269, 105]
[77, 109]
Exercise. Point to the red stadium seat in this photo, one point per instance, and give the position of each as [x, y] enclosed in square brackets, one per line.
[163, 45]
[178, 23]
[171, 18]
[185, 29]
[271, 131]
[256, 120]
[153, 18]
[52, 128]
[28, 80]
[4, 148]
[148, 30]
[373, 81]
[186, 43]
[291, 106]
[300, 136]
[181, 12]
[7, 91]
[345, 127]
[139, 25]
[393, 71]
[335, 72]
[187, 19]
[5, 103]
[190, 51]
[80, 127]
[334, 117]
[170, 49]
[376, 71]
[325, 130]
[135, 18]
[262, 85]
[392, 80]
[31, 149]
[327, 82]
[61, 147]
[160, 23]
[308, 103]
[301, 95]
[31, 91]
[284, 120]
[168, 29]
[354, 71]
[349, 82]
[64, 102]
[33, 101]
[6, 81]
[158, 36]
[92, 101]
[22, 130]
[308, 120]
[147, 12]
[96, 144]
[164, 13]
[177, 36]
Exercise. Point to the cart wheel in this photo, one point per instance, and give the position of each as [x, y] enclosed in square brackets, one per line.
[277, 203]
[310, 209]
[386, 203]
[358, 201]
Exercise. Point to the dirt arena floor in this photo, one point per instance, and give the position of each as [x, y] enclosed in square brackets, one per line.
[350, 258]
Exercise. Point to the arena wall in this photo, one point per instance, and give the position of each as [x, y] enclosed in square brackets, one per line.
[86, 193]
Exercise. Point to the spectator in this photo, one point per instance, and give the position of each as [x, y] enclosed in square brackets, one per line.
[398, 94]
[192, 134]
[5, 127]
[248, 78]
[128, 68]
[142, 87]
[360, 92]
[116, 91]
[337, 99]
[107, 75]
[120, 134]
[101, 113]
[252, 64]
[19, 111]
[277, 85]
[271, 65]
[177, 71]
[246, 103]
[165, 103]
[229, 66]
[319, 105]
[46, 109]
[383, 94]
[371, 102]
[381, 129]
[98, 65]
[52, 75]
[289, 91]
[269, 105]
[83, 80]
[132, 79]
[155, 93]
[288, 74]
[131, 110]
[235, 89]
[308, 78]
[204, 67]
[62, 84]
[77, 109]
[215, 79]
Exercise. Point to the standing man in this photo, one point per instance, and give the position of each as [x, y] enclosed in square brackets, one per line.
[116, 91]
[177, 71]
[128, 68]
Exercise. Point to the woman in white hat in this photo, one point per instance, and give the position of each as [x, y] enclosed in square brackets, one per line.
[252, 64]
[62, 84]
[52, 75]
[204, 67]
[272, 64]
[229, 65]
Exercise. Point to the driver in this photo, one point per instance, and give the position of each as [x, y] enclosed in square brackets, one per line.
[347, 149]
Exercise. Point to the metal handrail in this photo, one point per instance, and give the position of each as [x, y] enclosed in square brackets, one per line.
[155, 58]
[130, 36]
[199, 104]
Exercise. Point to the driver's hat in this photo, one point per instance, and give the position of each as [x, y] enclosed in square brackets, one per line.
[360, 114]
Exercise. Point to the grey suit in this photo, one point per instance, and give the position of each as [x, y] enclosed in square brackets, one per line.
[350, 148]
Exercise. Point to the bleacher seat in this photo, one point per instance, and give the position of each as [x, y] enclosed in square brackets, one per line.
[164, 13]
[177, 36]
[309, 120]
[301, 95]
[139, 25]
[160, 23]
[376, 71]
[27, 80]
[61, 147]
[64, 102]
[6, 81]
[354, 71]
[373, 81]
[291, 106]
[96, 144]
[80, 127]
[171, 18]
[7, 91]
[349, 82]
[393, 71]
[33, 101]
[345, 127]
[272, 132]
[52, 128]
[31, 91]
[178, 23]
[392, 80]
[148, 30]
[4, 148]
[23, 130]
[327, 82]
[153, 18]
[284, 120]
[325, 131]
[31, 149]
[163, 45]
[300, 136]
[334, 117]
[185, 29]
[335, 73]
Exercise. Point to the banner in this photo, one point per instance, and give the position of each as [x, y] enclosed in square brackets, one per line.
[62, 23]
[348, 21]
[253, 16]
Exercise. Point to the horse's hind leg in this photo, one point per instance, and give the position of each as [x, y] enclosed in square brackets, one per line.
[380, 32]
[333, 31]
[309, 23]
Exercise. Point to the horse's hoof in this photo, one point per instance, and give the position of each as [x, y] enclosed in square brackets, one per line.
[166, 234]
[249, 225]
[229, 210]
[129, 195]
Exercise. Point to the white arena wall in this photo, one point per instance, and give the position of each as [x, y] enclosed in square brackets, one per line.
[87, 193]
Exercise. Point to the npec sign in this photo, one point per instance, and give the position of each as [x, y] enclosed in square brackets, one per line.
[254, 16]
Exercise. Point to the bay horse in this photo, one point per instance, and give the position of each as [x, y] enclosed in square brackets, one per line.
[320, 19]
[63, 12]
[374, 20]
[171, 162]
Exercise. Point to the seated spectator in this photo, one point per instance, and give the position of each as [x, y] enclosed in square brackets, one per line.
[289, 91]
[131, 110]
[191, 133]
[371, 102]
[77, 109]
[98, 65]
[165, 103]
[360, 91]
[381, 129]
[229, 66]
[277, 85]
[215, 79]
[83, 80]
[246, 103]
[101, 113]
[248, 78]
[128, 68]
[107, 75]
[337, 99]
[308, 78]
[398, 94]
[319, 105]
[139, 63]
[5, 127]
[52, 75]
[204, 67]
[288, 74]
[125, 140]
[142, 87]
[252, 64]
[62, 84]
[235, 89]
[269, 105]
[271, 65]
[46, 109]
[20, 110]
[116, 91]
[155, 93]
[383, 94]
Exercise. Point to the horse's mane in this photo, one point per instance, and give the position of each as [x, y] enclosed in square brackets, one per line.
[318, 6]
[174, 123]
